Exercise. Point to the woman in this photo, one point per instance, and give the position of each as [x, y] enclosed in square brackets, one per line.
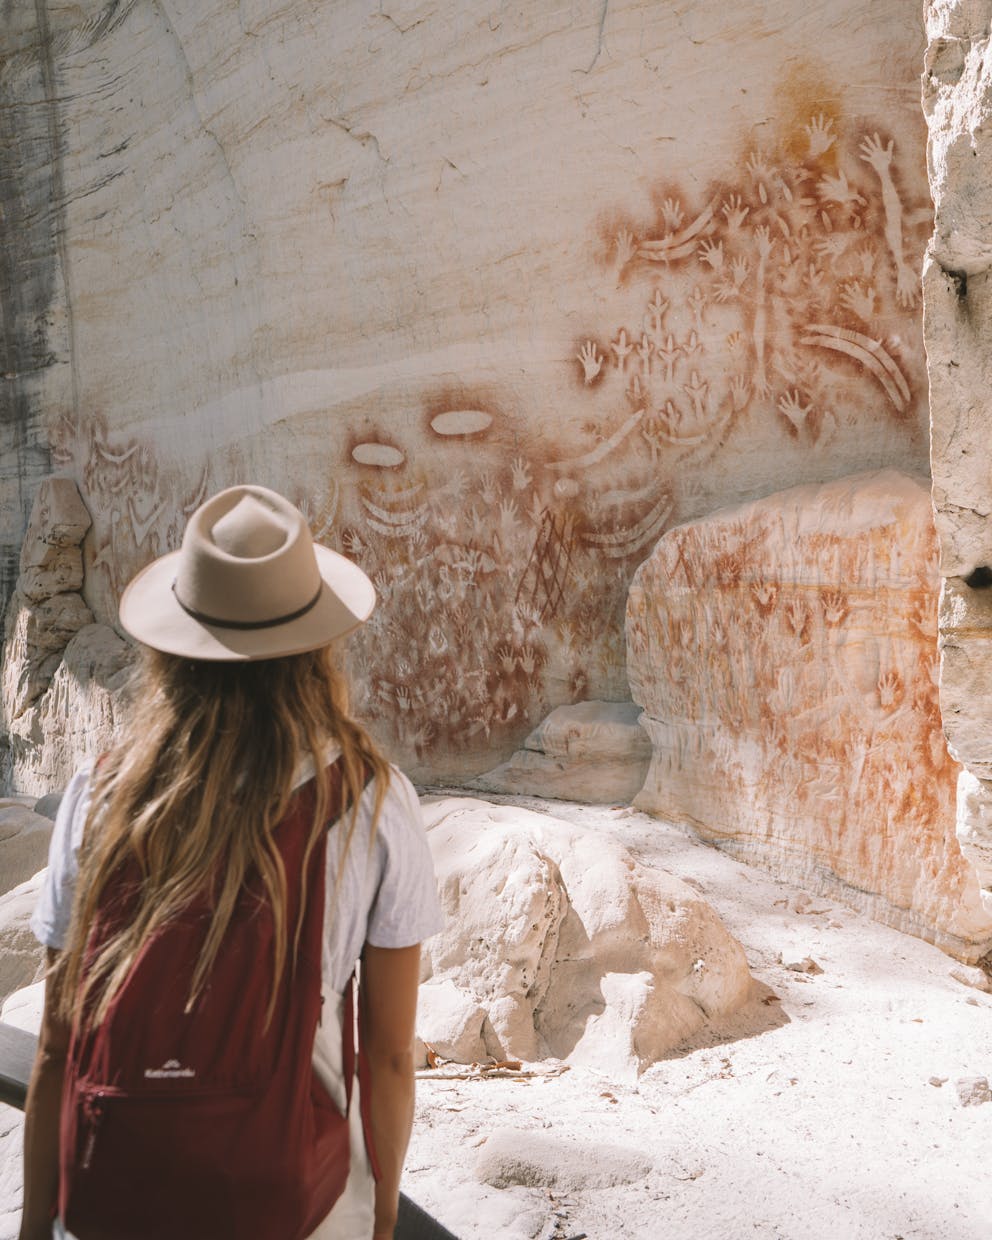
[239, 714]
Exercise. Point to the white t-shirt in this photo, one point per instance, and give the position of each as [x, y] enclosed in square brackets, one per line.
[386, 895]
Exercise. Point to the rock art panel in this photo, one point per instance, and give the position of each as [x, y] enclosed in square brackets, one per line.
[558, 943]
[784, 296]
[493, 359]
[785, 655]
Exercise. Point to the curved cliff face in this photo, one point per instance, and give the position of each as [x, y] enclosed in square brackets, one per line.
[498, 297]
[34, 344]
[957, 100]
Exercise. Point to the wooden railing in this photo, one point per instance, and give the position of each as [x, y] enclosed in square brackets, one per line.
[17, 1050]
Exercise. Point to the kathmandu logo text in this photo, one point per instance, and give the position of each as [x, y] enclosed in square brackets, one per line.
[171, 1068]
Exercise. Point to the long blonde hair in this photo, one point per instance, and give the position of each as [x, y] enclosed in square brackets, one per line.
[191, 794]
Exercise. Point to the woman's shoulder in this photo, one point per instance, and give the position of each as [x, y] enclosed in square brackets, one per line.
[405, 909]
[399, 811]
[399, 788]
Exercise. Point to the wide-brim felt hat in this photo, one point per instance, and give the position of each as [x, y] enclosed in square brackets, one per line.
[247, 583]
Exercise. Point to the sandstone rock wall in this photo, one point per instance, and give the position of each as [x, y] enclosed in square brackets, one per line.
[62, 676]
[957, 100]
[785, 655]
[22, 958]
[497, 295]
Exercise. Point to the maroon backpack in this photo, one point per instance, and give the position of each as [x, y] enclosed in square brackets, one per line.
[208, 1124]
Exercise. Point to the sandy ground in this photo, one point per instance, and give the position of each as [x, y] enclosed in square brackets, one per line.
[819, 1120]
[830, 1112]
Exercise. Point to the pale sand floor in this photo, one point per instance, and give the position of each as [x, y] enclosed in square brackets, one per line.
[823, 1126]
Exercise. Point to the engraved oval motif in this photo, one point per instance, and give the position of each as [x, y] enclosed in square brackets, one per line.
[382, 454]
[461, 422]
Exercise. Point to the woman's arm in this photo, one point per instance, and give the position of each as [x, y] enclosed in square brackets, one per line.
[390, 977]
[41, 1120]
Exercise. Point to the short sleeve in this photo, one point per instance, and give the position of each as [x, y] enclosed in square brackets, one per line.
[50, 920]
[405, 910]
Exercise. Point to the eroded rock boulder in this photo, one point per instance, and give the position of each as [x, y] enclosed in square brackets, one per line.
[77, 715]
[785, 655]
[450, 1020]
[590, 751]
[62, 674]
[21, 956]
[51, 555]
[36, 635]
[24, 837]
[570, 947]
[974, 824]
[48, 805]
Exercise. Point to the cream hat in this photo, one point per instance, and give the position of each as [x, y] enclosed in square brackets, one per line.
[247, 583]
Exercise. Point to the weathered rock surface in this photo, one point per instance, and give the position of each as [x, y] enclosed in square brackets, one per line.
[51, 558]
[957, 323]
[974, 824]
[23, 1008]
[35, 636]
[48, 805]
[570, 947]
[24, 838]
[498, 297]
[76, 717]
[21, 956]
[973, 1091]
[591, 751]
[784, 652]
[965, 643]
[56, 662]
[450, 1020]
